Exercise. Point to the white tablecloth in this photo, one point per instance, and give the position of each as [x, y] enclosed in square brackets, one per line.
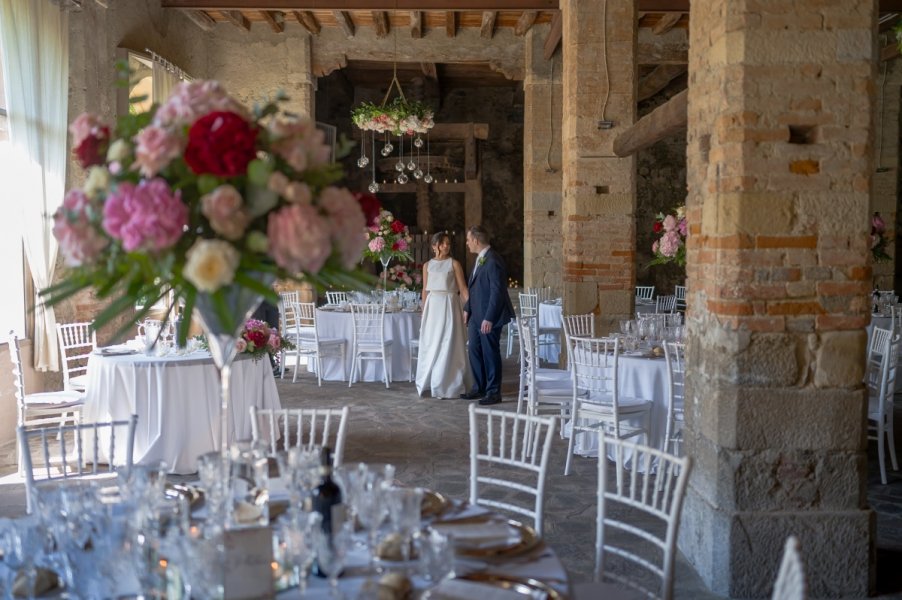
[177, 401]
[550, 316]
[644, 378]
[400, 327]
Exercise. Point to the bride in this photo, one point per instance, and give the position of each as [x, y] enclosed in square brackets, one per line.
[442, 367]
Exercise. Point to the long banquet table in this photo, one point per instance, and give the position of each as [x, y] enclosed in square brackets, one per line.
[400, 327]
[177, 400]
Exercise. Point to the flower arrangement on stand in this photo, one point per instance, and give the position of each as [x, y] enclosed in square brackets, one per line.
[259, 339]
[671, 246]
[389, 239]
[879, 239]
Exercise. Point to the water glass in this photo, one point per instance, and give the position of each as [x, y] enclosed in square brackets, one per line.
[331, 553]
[436, 556]
[293, 545]
[248, 485]
[404, 511]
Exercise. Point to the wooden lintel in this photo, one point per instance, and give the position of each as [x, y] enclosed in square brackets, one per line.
[275, 19]
[416, 24]
[524, 23]
[411, 188]
[890, 51]
[666, 23]
[658, 79]
[345, 22]
[201, 19]
[451, 23]
[370, 5]
[308, 21]
[487, 29]
[667, 119]
[380, 22]
[553, 40]
[236, 18]
[429, 70]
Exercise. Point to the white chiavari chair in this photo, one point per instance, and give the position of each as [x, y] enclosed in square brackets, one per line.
[369, 341]
[529, 312]
[543, 389]
[674, 354]
[305, 337]
[336, 298]
[665, 304]
[880, 379]
[302, 428]
[680, 292]
[287, 325]
[77, 341]
[645, 294]
[577, 326]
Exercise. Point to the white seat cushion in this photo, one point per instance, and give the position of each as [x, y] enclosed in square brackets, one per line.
[604, 404]
[79, 382]
[561, 375]
[61, 398]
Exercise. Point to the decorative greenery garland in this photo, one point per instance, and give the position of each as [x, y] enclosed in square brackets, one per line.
[399, 117]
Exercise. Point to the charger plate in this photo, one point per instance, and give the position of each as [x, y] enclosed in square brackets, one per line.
[524, 586]
[527, 539]
[433, 504]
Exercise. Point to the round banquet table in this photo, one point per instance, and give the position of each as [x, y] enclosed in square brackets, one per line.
[399, 327]
[177, 400]
[551, 317]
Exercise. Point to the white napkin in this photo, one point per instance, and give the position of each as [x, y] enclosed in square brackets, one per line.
[477, 535]
[461, 589]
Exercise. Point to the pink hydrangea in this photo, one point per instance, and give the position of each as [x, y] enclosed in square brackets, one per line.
[299, 239]
[401, 245]
[669, 223]
[654, 247]
[192, 100]
[155, 148]
[377, 244]
[683, 227]
[348, 223]
[670, 244]
[79, 240]
[300, 143]
[149, 216]
[224, 207]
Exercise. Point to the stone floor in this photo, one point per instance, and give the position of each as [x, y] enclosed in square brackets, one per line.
[428, 442]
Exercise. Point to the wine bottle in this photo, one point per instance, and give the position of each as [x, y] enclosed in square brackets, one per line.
[327, 501]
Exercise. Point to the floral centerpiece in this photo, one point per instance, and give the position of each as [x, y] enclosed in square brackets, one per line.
[879, 239]
[406, 275]
[400, 116]
[388, 238]
[259, 339]
[671, 246]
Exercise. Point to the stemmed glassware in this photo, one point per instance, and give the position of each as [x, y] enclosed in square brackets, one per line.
[295, 546]
[404, 510]
[331, 552]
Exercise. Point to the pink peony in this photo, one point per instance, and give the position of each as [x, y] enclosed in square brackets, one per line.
[670, 244]
[878, 225]
[300, 143]
[401, 245]
[275, 342]
[224, 207]
[348, 224]
[78, 238]
[377, 244]
[299, 239]
[155, 148]
[669, 223]
[240, 345]
[148, 216]
[192, 100]
[90, 139]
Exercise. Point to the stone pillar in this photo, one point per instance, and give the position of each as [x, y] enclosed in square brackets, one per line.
[599, 189]
[780, 167]
[542, 100]
[886, 151]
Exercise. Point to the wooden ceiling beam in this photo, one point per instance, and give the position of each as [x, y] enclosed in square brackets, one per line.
[890, 51]
[275, 19]
[451, 23]
[236, 18]
[487, 29]
[524, 23]
[553, 39]
[370, 5]
[416, 24]
[345, 22]
[380, 22]
[201, 19]
[308, 21]
[664, 121]
[658, 79]
[666, 23]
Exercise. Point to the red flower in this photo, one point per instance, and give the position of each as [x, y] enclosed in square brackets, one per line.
[658, 227]
[221, 143]
[395, 246]
[92, 150]
[397, 226]
[370, 206]
[257, 338]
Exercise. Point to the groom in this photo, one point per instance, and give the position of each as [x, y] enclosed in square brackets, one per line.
[486, 313]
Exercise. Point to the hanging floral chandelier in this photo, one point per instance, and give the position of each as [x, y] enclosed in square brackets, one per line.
[402, 118]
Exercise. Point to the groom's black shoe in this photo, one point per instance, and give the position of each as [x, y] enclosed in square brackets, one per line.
[490, 399]
[472, 395]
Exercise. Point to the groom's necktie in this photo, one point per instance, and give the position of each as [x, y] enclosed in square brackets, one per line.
[473, 274]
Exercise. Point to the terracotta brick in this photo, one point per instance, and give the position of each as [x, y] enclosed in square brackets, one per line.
[841, 322]
[800, 241]
[804, 167]
[843, 288]
[794, 308]
[729, 308]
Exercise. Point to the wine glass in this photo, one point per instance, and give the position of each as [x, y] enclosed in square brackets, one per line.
[404, 510]
[331, 552]
[294, 538]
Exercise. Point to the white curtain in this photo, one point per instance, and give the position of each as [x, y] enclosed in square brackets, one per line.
[164, 81]
[35, 45]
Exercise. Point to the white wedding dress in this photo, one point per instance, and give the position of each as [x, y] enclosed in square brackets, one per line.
[442, 366]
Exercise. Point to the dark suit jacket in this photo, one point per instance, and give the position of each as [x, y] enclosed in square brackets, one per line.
[489, 300]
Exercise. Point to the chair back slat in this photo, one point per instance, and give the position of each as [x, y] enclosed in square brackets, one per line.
[674, 356]
[645, 293]
[368, 322]
[77, 341]
[336, 297]
[303, 428]
[665, 304]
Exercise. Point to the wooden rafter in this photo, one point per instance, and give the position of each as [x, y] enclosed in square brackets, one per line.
[236, 18]
[201, 19]
[669, 118]
[451, 23]
[380, 22]
[524, 23]
[487, 29]
[345, 22]
[416, 24]
[554, 35]
[275, 19]
[666, 23]
[307, 21]
[658, 79]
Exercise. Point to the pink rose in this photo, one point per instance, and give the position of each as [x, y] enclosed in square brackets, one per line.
[348, 224]
[299, 239]
[300, 143]
[377, 244]
[878, 225]
[402, 245]
[224, 207]
[148, 216]
[654, 247]
[78, 238]
[192, 100]
[90, 139]
[275, 341]
[155, 148]
[240, 345]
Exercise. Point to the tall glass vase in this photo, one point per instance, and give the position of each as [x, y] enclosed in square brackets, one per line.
[222, 323]
[385, 260]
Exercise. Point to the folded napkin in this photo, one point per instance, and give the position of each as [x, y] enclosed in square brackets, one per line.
[393, 586]
[245, 512]
[45, 580]
[486, 534]
[461, 589]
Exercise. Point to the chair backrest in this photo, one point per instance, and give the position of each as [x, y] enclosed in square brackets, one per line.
[665, 304]
[15, 356]
[880, 374]
[595, 372]
[624, 507]
[674, 354]
[303, 428]
[542, 293]
[305, 316]
[516, 447]
[529, 305]
[76, 451]
[287, 306]
[336, 297]
[577, 326]
[680, 292]
[77, 341]
[645, 293]
[368, 319]
[790, 583]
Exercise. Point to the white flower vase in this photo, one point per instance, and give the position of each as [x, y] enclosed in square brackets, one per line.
[385, 260]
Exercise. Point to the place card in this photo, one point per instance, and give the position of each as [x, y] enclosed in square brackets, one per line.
[248, 567]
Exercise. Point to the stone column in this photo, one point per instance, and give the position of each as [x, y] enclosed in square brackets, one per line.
[886, 151]
[599, 189]
[542, 100]
[780, 168]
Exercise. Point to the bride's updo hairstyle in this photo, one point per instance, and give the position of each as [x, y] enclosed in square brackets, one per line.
[438, 238]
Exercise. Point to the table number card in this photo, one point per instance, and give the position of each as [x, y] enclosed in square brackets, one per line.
[248, 568]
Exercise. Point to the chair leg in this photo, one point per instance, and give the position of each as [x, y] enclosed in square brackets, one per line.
[881, 438]
[319, 369]
[297, 361]
[890, 438]
[386, 375]
[282, 365]
[353, 369]
[510, 340]
[344, 361]
[570, 446]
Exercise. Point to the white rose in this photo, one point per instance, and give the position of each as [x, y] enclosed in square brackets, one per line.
[118, 150]
[211, 264]
[98, 181]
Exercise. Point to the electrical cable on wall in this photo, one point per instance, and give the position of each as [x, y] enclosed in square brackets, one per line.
[603, 122]
[548, 167]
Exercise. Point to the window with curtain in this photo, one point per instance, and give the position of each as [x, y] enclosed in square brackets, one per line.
[12, 268]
